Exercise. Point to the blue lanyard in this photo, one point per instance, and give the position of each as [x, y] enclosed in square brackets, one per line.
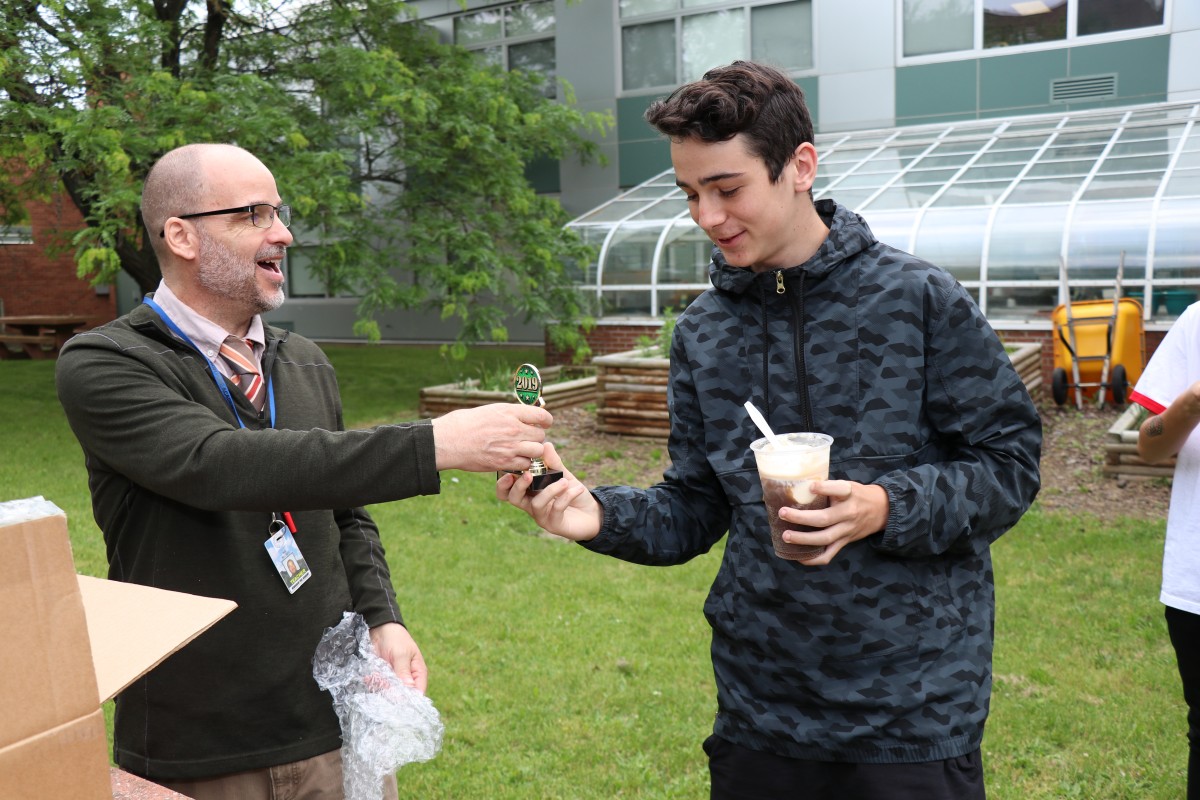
[217, 377]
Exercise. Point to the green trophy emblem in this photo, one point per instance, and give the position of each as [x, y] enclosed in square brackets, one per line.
[527, 384]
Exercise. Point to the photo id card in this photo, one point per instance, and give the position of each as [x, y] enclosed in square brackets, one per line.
[285, 555]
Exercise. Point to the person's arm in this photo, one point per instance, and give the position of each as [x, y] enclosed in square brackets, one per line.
[1162, 435]
[493, 437]
[982, 471]
[149, 414]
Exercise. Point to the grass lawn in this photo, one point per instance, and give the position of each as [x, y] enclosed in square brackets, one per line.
[563, 674]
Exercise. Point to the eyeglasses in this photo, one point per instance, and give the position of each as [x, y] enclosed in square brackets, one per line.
[262, 215]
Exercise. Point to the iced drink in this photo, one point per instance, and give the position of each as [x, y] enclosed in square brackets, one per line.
[787, 470]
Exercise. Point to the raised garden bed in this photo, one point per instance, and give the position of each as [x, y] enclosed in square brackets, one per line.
[1121, 458]
[1027, 360]
[631, 394]
[631, 389]
[558, 393]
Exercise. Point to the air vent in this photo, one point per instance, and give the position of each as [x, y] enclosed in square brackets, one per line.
[1090, 87]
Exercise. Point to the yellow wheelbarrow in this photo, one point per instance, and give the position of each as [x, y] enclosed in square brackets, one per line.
[1099, 344]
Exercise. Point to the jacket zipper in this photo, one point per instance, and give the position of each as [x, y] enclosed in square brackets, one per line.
[798, 345]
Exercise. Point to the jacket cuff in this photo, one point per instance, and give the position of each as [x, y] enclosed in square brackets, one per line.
[605, 540]
[429, 480]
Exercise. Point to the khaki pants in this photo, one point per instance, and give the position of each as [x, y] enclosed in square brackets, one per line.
[318, 778]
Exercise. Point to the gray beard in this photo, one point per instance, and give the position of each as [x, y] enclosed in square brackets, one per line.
[225, 274]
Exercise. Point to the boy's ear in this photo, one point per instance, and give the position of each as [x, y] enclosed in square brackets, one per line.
[805, 159]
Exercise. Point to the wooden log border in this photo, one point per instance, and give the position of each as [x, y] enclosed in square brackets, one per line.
[631, 389]
[1120, 449]
[438, 400]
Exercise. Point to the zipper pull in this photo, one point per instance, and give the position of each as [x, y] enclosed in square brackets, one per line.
[779, 287]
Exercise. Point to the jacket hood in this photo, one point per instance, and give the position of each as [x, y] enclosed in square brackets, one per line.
[848, 236]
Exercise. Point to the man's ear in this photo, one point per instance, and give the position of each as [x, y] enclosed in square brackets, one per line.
[805, 159]
[182, 239]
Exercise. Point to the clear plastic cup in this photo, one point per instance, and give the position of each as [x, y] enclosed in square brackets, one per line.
[787, 470]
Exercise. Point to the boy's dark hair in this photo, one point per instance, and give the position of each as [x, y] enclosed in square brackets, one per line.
[744, 97]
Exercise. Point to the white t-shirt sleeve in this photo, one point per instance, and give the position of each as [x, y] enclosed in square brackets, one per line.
[1174, 366]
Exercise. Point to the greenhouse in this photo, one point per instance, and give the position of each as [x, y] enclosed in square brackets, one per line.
[1001, 203]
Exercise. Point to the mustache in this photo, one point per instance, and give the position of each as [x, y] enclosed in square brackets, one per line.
[270, 253]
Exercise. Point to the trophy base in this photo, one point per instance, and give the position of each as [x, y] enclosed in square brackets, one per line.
[540, 479]
[544, 479]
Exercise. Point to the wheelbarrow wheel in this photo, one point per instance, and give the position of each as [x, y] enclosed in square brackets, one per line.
[1120, 385]
[1058, 385]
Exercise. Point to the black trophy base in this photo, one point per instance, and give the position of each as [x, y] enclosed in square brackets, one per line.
[540, 479]
[544, 479]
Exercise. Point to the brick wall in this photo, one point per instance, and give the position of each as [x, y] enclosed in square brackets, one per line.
[40, 279]
[607, 338]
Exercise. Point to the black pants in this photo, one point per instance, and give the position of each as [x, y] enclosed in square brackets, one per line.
[742, 774]
[1184, 629]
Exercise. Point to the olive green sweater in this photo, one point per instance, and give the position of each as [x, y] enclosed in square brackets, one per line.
[184, 497]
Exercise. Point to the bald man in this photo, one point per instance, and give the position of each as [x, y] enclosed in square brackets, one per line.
[215, 450]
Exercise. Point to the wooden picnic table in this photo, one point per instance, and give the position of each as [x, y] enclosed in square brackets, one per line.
[39, 335]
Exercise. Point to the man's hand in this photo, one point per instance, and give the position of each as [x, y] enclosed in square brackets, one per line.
[394, 645]
[856, 510]
[490, 438]
[565, 507]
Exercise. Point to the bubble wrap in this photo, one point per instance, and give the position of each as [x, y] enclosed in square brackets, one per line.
[385, 724]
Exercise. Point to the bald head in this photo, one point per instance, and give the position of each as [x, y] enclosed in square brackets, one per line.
[183, 182]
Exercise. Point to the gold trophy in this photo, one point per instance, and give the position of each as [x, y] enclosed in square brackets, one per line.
[527, 383]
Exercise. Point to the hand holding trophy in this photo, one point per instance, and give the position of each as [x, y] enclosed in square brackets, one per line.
[527, 384]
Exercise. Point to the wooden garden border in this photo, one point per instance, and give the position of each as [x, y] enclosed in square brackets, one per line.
[438, 400]
[631, 389]
[1121, 458]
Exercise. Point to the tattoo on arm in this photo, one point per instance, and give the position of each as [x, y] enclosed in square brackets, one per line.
[1154, 426]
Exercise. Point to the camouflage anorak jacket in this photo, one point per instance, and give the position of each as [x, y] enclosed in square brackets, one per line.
[884, 655]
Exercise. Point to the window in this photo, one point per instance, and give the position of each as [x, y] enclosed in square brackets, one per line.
[668, 42]
[946, 26]
[517, 37]
[19, 231]
[1007, 23]
[938, 26]
[1106, 16]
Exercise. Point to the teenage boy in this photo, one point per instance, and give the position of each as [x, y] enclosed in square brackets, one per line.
[864, 672]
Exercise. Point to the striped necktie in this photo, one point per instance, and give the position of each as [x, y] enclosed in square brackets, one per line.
[240, 357]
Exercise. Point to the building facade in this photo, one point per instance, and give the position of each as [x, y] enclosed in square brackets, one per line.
[953, 126]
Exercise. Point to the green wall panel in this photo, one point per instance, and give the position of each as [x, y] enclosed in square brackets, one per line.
[641, 151]
[642, 160]
[1022, 81]
[1141, 66]
[812, 97]
[936, 92]
[631, 125]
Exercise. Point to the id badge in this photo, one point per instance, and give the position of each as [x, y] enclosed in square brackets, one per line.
[285, 555]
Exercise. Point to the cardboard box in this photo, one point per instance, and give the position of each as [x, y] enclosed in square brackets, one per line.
[69, 643]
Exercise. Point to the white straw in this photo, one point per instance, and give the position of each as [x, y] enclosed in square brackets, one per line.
[757, 416]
